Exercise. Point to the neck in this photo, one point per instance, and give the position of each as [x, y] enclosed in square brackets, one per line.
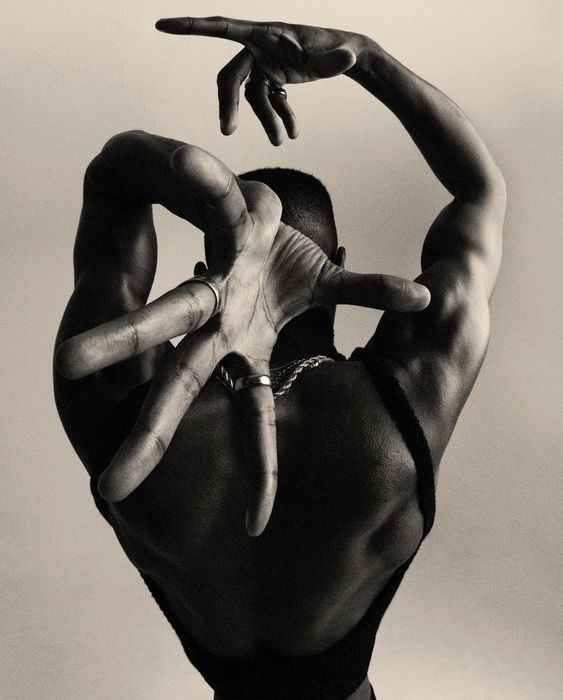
[305, 336]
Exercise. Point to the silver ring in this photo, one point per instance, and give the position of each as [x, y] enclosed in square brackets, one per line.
[278, 91]
[253, 380]
[208, 282]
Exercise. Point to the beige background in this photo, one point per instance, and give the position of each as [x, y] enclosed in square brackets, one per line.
[480, 613]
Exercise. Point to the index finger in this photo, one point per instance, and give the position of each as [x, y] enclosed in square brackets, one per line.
[221, 27]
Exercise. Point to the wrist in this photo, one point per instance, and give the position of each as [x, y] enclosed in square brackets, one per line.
[373, 64]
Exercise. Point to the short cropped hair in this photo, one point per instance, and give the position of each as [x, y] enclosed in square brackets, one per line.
[306, 204]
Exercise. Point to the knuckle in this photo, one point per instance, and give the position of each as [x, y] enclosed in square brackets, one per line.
[133, 336]
[228, 188]
[155, 442]
[188, 377]
[183, 158]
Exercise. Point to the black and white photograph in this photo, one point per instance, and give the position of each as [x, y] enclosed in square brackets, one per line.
[282, 376]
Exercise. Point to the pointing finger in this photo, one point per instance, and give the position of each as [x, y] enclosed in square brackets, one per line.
[221, 27]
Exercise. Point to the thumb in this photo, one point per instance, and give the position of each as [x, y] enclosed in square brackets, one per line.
[333, 62]
[373, 291]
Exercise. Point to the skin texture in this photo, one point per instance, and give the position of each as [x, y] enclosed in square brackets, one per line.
[265, 274]
[346, 512]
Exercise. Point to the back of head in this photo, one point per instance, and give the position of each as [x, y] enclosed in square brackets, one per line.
[306, 204]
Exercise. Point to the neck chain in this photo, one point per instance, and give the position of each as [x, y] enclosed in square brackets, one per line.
[282, 377]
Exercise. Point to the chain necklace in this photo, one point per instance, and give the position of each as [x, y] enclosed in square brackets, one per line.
[282, 377]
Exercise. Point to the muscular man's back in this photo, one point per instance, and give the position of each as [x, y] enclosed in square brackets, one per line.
[346, 516]
[356, 449]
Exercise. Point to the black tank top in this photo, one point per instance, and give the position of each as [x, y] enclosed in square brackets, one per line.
[335, 673]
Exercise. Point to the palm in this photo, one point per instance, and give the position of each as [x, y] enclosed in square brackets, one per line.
[294, 269]
[262, 299]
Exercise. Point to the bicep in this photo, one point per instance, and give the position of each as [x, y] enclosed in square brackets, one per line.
[465, 241]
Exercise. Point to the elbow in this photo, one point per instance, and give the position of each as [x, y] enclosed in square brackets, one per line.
[494, 186]
[119, 149]
[489, 190]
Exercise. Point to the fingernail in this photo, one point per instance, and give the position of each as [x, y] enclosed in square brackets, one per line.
[424, 296]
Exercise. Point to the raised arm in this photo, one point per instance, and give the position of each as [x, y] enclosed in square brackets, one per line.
[276, 54]
[472, 224]
[439, 351]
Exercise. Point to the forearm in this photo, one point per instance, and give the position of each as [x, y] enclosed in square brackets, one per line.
[444, 135]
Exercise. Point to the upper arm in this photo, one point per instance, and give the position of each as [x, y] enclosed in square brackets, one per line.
[114, 266]
[440, 350]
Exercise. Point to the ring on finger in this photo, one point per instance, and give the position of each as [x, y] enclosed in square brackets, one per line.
[253, 380]
[208, 282]
[277, 91]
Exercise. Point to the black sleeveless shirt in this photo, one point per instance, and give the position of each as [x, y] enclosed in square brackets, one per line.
[337, 672]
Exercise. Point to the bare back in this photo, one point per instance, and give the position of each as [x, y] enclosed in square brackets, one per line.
[346, 516]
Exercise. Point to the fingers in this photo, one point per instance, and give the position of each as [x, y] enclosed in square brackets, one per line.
[268, 103]
[257, 94]
[229, 81]
[172, 392]
[216, 184]
[278, 100]
[220, 27]
[338, 286]
[180, 311]
[259, 444]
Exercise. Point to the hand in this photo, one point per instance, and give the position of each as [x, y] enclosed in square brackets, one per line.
[281, 53]
[267, 274]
